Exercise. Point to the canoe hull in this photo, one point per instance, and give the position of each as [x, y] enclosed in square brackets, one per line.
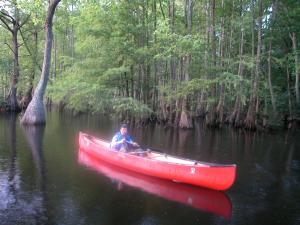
[213, 176]
[203, 199]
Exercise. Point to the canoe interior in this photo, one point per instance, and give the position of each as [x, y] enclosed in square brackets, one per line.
[160, 156]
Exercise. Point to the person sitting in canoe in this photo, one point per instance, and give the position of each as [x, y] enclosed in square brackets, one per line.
[122, 141]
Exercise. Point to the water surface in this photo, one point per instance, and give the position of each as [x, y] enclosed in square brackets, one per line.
[42, 182]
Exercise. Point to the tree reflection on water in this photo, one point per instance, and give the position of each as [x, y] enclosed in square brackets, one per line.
[17, 205]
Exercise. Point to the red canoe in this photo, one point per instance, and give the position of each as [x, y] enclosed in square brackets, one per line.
[204, 199]
[209, 175]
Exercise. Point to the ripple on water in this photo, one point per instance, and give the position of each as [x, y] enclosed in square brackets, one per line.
[295, 165]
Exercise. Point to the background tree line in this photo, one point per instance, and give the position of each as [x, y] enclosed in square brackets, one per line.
[227, 61]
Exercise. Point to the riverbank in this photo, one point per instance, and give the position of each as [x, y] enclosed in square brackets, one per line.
[262, 125]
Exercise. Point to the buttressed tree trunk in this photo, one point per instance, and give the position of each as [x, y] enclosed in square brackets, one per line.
[35, 112]
[185, 119]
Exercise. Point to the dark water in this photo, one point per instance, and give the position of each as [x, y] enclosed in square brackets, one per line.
[42, 182]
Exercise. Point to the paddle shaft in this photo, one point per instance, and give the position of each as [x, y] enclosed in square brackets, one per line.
[145, 148]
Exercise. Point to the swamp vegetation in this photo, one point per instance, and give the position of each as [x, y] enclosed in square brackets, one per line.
[170, 61]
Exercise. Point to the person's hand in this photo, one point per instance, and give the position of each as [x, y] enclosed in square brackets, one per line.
[135, 144]
[123, 141]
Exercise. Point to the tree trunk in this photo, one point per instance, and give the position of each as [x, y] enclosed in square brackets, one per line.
[229, 47]
[289, 94]
[172, 78]
[234, 118]
[155, 92]
[273, 101]
[213, 32]
[12, 24]
[253, 36]
[185, 120]
[55, 57]
[35, 113]
[220, 107]
[294, 42]
[210, 116]
[171, 24]
[34, 57]
[201, 104]
[251, 121]
[12, 97]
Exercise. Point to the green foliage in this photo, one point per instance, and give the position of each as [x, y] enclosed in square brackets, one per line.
[116, 56]
[174, 44]
[131, 106]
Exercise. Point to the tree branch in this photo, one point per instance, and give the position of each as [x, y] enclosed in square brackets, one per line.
[161, 9]
[9, 16]
[2, 18]
[9, 46]
[292, 36]
[30, 53]
[24, 21]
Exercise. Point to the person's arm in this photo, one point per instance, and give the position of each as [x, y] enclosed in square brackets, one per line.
[130, 141]
[114, 141]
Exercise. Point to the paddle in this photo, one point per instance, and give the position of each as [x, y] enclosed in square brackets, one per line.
[151, 149]
[144, 147]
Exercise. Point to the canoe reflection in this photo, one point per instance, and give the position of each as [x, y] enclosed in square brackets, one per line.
[200, 198]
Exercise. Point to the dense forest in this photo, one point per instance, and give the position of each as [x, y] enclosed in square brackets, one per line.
[170, 61]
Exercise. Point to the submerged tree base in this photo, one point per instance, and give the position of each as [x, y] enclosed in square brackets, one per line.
[185, 121]
[35, 113]
[6, 107]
